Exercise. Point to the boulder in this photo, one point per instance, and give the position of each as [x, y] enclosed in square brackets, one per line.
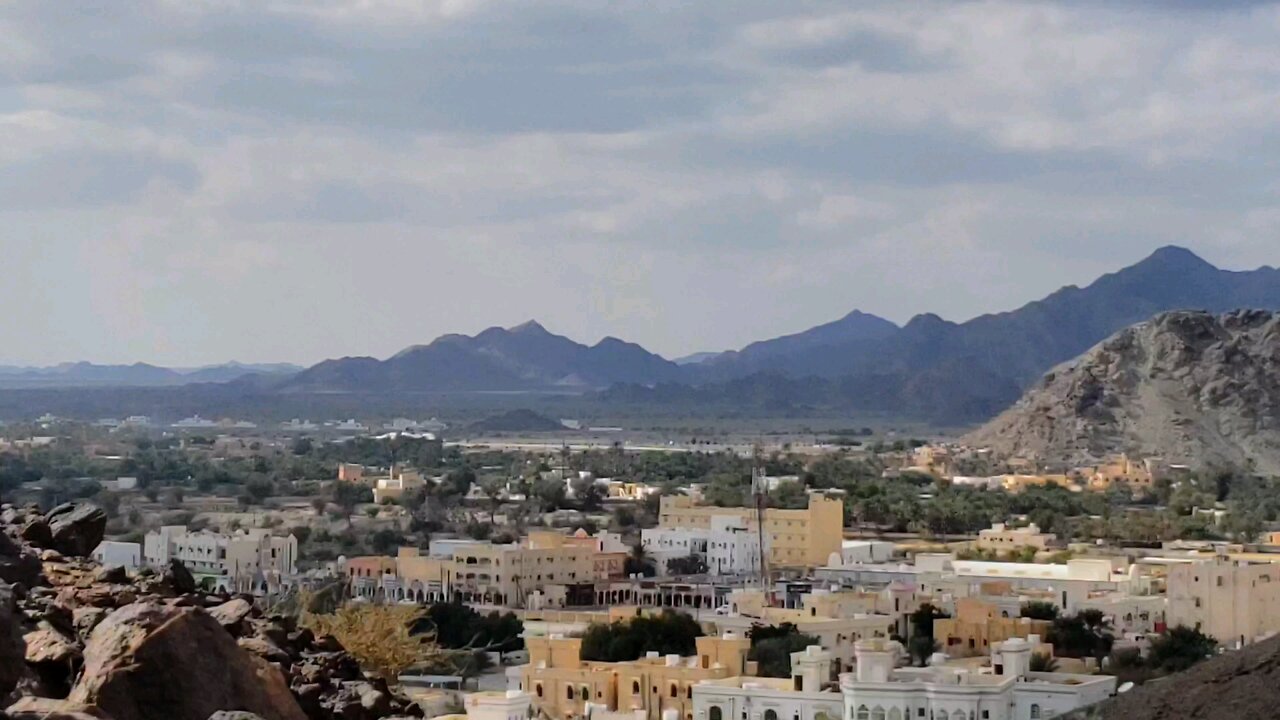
[177, 578]
[16, 564]
[231, 613]
[37, 532]
[149, 661]
[76, 528]
[13, 650]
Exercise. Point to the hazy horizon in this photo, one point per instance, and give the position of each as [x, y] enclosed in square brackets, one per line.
[293, 181]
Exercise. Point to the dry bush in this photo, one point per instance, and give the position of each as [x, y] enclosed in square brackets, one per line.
[378, 636]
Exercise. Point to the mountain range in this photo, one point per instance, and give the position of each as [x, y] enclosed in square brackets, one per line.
[929, 369]
[1190, 387]
[86, 374]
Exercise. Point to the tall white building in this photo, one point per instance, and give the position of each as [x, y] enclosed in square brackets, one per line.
[245, 562]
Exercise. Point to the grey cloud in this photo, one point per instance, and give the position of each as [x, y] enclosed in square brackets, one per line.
[680, 174]
[84, 178]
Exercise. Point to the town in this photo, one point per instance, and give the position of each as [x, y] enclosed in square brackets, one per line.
[857, 580]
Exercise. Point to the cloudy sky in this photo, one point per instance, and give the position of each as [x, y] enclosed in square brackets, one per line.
[190, 181]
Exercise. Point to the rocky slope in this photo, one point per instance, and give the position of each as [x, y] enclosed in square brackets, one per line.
[1239, 685]
[79, 640]
[1189, 387]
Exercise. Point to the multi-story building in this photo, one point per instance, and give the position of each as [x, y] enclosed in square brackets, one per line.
[1000, 537]
[562, 684]
[394, 486]
[792, 539]
[977, 626]
[246, 561]
[350, 472]
[1008, 690]
[490, 573]
[808, 694]
[1234, 601]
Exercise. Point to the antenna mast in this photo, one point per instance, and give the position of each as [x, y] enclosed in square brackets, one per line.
[760, 496]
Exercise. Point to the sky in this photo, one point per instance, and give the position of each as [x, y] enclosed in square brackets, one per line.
[191, 181]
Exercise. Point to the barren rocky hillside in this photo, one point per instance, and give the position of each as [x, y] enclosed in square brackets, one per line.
[1189, 387]
[1238, 685]
[81, 641]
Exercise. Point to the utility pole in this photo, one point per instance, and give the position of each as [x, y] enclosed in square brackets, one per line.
[760, 496]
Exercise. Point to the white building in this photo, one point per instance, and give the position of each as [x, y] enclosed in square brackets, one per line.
[808, 695]
[853, 552]
[494, 705]
[247, 561]
[1008, 690]
[127, 555]
[727, 547]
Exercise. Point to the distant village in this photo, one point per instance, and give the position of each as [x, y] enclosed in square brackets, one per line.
[867, 623]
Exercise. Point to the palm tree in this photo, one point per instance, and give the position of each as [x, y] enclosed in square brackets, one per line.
[1041, 662]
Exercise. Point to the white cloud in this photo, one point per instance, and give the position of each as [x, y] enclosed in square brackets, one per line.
[293, 180]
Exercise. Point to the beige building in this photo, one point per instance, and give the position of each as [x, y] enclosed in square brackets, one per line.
[1234, 601]
[488, 573]
[1120, 469]
[978, 626]
[350, 472]
[395, 485]
[562, 684]
[792, 538]
[1000, 537]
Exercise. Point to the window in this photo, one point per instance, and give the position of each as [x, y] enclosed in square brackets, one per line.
[1035, 712]
[770, 714]
[716, 713]
[863, 713]
[539, 689]
[568, 692]
[675, 691]
[585, 694]
[635, 690]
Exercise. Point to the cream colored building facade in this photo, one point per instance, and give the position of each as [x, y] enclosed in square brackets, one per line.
[1234, 601]
[562, 684]
[1001, 537]
[497, 574]
[792, 538]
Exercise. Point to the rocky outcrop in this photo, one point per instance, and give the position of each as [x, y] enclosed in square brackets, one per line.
[75, 528]
[1188, 387]
[80, 641]
[125, 651]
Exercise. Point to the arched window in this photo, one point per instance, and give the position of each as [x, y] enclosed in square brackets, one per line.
[863, 713]
[539, 689]
[770, 715]
[895, 714]
[635, 687]
[1035, 712]
[716, 713]
[688, 692]
[957, 715]
[585, 693]
[568, 692]
[675, 691]
[877, 713]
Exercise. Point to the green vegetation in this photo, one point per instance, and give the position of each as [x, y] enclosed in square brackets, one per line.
[668, 633]
[922, 643]
[772, 645]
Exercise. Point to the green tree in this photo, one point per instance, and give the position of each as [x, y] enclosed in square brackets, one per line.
[1039, 610]
[771, 648]
[670, 633]
[691, 565]
[1179, 648]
